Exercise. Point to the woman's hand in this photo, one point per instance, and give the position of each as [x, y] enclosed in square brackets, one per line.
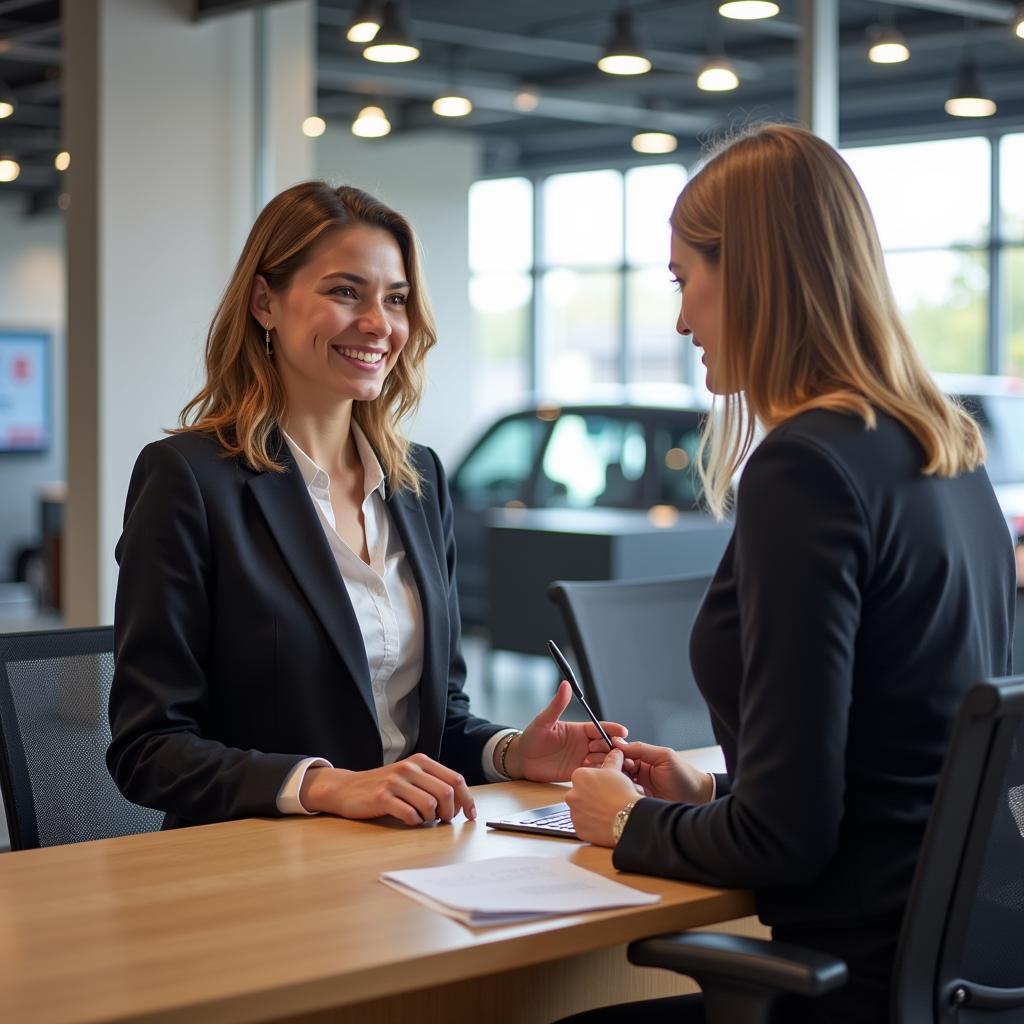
[414, 790]
[666, 774]
[550, 750]
[597, 795]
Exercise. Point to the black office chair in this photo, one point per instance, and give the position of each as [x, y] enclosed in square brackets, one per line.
[54, 733]
[961, 952]
[632, 642]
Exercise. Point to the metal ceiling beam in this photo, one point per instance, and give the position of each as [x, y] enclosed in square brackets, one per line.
[27, 54]
[10, 6]
[497, 92]
[29, 34]
[538, 46]
[980, 10]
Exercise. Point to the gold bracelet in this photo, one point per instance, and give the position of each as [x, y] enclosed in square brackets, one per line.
[505, 744]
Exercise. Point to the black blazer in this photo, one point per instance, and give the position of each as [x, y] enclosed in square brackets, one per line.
[237, 652]
[855, 604]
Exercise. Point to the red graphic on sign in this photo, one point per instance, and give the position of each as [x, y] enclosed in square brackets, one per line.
[21, 368]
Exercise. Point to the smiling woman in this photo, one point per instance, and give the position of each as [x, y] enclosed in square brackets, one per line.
[287, 635]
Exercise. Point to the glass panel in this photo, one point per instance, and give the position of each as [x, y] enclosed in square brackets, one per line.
[656, 352]
[583, 219]
[501, 224]
[1011, 174]
[497, 470]
[1014, 294]
[1002, 422]
[943, 297]
[651, 192]
[594, 460]
[927, 193]
[579, 330]
[501, 334]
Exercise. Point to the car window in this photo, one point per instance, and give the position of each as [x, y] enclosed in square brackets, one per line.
[1002, 421]
[594, 460]
[675, 466]
[498, 469]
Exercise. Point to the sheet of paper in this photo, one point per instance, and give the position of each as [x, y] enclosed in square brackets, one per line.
[505, 889]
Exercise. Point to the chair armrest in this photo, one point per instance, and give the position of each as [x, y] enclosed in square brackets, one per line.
[759, 963]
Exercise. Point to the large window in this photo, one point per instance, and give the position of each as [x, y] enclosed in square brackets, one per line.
[584, 301]
[570, 288]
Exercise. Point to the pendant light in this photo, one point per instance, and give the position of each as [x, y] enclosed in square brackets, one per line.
[968, 99]
[887, 45]
[622, 53]
[1018, 22]
[7, 103]
[717, 75]
[365, 23]
[9, 169]
[371, 123]
[654, 142]
[748, 10]
[392, 44]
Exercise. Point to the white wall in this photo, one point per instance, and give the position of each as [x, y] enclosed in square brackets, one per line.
[31, 298]
[426, 178]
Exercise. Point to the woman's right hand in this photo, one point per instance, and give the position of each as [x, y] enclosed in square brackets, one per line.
[664, 773]
[414, 790]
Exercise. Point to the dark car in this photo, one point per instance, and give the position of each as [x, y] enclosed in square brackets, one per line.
[627, 450]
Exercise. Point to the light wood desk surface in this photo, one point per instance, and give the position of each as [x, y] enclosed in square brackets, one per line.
[278, 918]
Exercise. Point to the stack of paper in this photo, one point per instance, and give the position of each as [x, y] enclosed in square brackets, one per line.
[506, 889]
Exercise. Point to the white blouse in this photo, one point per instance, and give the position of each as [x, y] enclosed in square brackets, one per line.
[386, 602]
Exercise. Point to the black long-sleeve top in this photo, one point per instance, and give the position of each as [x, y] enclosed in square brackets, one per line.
[855, 604]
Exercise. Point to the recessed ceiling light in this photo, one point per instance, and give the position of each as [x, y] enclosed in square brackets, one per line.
[526, 99]
[748, 10]
[654, 142]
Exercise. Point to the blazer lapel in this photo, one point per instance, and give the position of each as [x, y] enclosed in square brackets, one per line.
[286, 506]
[407, 515]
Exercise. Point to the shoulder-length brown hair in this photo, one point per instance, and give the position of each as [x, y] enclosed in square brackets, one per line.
[808, 316]
[243, 401]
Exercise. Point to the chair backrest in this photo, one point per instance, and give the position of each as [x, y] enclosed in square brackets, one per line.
[961, 952]
[632, 643]
[54, 732]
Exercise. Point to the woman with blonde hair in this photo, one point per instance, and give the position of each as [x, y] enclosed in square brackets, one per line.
[868, 583]
[286, 629]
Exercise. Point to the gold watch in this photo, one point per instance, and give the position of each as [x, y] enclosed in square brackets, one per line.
[620, 819]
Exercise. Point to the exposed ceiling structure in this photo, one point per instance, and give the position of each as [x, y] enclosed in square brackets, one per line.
[491, 51]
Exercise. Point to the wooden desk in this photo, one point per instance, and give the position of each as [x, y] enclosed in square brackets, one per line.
[284, 919]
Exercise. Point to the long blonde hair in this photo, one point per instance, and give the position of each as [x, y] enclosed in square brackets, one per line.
[243, 400]
[808, 316]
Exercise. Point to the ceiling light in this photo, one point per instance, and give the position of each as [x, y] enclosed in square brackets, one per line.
[314, 127]
[622, 54]
[967, 99]
[7, 103]
[9, 169]
[526, 99]
[392, 44]
[887, 46]
[62, 161]
[365, 23]
[654, 142]
[717, 75]
[452, 106]
[748, 10]
[372, 123]
[1018, 21]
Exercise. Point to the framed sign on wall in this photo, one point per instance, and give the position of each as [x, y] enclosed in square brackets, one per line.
[24, 391]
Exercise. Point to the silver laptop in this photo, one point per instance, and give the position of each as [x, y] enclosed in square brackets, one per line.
[553, 820]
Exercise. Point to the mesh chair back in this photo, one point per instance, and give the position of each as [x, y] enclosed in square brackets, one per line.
[54, 733]
[961, 955]
[632, 642]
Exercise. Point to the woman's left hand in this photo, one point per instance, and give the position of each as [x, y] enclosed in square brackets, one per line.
[550, 750]
[597, 795]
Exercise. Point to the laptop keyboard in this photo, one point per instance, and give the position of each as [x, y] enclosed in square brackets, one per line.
[560, 820]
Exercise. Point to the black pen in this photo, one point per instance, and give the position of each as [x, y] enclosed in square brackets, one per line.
[567, 673]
